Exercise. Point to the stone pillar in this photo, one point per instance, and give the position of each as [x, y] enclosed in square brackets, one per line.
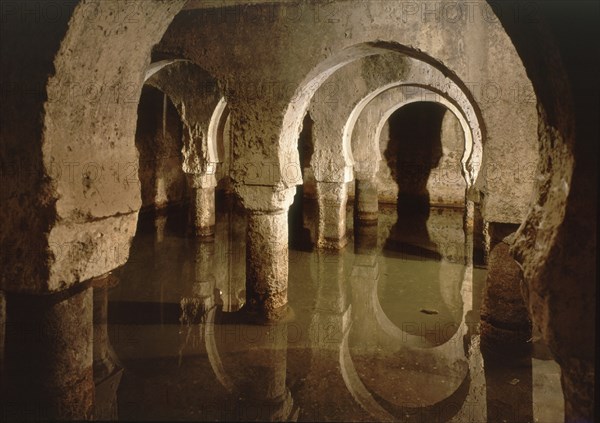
[266, 249]
[107, 373]
[505, 329]
[332, 198]
[366, 202]
[504, 316]
[202, 204]
[48, 356]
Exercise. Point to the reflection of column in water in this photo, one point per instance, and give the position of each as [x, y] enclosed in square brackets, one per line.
[107, 371]
[160, 223]
[364, 279]
[264, 395]
[328, 323]
[549, 404]
[474, 407]
[446, 365]
[451, 278]
[366, 199]
[233, 246]
[195, 307]
[508, 377]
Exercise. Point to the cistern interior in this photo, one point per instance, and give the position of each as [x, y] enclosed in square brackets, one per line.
[298, 211]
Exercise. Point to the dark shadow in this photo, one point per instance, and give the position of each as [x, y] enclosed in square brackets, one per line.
[299, 236]
[160, 157]
[414, 149]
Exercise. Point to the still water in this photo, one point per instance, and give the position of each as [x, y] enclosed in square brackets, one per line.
[384, 330]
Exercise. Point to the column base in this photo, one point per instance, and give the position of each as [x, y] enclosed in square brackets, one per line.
[250, 315]
[366, 218]
[207, 233]
[332, 244]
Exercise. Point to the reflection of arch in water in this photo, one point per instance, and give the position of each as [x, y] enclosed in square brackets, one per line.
[451, 354]
[213, 353]
[396, 333]
[261, 383]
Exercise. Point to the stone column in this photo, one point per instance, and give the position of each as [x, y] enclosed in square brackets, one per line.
[266, 249]
[366, 203]
[202, 204]
[504, 316]
[107, 372]
[48, 356]
[332, 198]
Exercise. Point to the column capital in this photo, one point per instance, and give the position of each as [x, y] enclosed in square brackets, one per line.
[265, 198]
[201, 180]
[366, 170]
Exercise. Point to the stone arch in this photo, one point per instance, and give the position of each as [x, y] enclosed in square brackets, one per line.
[272, 119]
[452, 97]
[468, 140]
[162, 180]
[155, 67]
[296, 110]
[197, 97]
[216, 129]
[396, 97]
[86, 138]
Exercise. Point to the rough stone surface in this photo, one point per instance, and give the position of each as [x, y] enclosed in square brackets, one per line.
[267, 263]
[78, 160]
[332, 199]
[504, 316]
[556, 245]
[202, 207]
[366, 200]
[268, 105]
